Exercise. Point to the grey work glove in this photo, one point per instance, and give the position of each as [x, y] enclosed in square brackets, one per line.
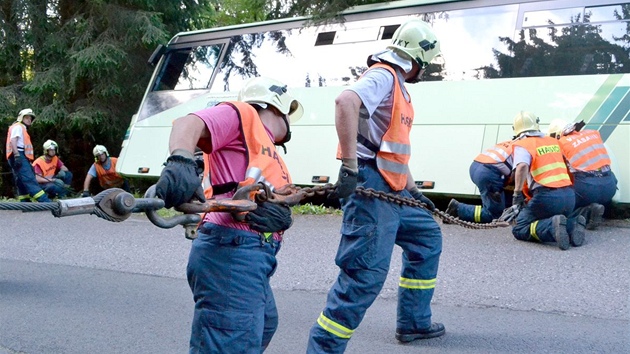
[269, 217]
[17, 161]
[417, 195]
[59, 182]
[518, 199]
[179, 181]
[347, 180]
[61, 174]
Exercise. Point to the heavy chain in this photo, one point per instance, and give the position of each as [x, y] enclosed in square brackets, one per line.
[328, 188]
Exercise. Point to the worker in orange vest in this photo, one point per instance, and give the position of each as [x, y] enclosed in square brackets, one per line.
[541, 177]
[589, 165]
[19, 153]
[103, 168]
[51, 173]
[490, 172]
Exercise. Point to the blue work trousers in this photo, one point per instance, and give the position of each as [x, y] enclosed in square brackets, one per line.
[490, 182]
[24, 178]
[228, 273]
[533, 223]
[596, 187]
[369, 231]
[54, 190]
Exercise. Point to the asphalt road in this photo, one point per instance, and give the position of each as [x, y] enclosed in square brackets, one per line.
[84, 285]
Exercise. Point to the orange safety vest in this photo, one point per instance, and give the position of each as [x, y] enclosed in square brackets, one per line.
[48, 167]
[496, 154]
[109, 178]
[263, 162]
[585, 150]
[28, 146]
[547, 168]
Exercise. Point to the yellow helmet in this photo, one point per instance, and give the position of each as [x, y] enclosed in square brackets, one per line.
[25, 112]
[556, 127]
[100, 149]
[416, 39]
[50, 144]
[525, 121]
[263, 90]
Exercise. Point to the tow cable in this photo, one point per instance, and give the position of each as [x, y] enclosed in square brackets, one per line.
[116, 205]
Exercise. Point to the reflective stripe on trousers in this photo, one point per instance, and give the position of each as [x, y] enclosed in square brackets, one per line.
[533, 223]
[369, 231]
[490, 183]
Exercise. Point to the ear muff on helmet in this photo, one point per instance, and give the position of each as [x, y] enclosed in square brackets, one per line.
[525, 121]
[415, 39]
[263, 90]
[25, 112]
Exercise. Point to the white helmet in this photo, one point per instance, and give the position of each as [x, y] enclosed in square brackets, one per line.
[50, 144]
[25, 112]
[100, 149]
[263, 90]
[525, 121]
[556, 127]
[416, 39]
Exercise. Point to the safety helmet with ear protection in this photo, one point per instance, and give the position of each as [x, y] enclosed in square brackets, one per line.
[525, 121]
[416, 39]
[25, 112]
[263, 90]
[100, 149]
[50, 144]
[556, 127]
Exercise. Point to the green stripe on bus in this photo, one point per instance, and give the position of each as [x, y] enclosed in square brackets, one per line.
[602, 93]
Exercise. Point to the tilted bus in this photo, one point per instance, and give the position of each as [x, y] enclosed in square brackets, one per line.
[559, 59]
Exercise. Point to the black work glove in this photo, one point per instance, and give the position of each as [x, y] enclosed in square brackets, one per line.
[85, 194]
[518, 199]
[347, 180]
[179, 181]
[269, 217]
[417, 195]
[17, 162]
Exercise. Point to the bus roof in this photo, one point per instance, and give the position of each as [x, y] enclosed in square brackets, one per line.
[383, 6]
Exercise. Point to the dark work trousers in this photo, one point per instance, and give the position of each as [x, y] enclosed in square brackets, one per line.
[490, 182]
[24, 178]
[370, 229]
[54, 190]
[533, 223]
[228, 273]
[593, 187]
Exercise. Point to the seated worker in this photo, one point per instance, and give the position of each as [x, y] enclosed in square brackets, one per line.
[589, 165]
[104, 167]
[490, 172]
[51, 174]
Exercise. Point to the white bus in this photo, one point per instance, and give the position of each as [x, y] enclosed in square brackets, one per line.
[559, 59]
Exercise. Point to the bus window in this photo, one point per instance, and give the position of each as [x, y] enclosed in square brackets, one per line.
[607, 13]
[188, 69]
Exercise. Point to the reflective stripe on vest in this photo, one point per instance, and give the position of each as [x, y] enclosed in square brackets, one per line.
[547, 167]
[109, 178]
[48, 167]
[496, 154]
[395, 150]
[264, 164]
[28, 145]
[585, 150]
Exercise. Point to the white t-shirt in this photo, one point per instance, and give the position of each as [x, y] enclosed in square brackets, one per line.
[18, 131]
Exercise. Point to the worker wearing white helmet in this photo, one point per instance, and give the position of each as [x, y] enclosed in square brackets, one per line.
[541, 177]
[51, 173]
[589, 163]
[104, 169]
[238, 139]
[373, 119]
[19, 154]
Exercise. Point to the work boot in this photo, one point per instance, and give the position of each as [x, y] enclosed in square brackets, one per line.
[452, 208]
[560, 234]
[436, 330]
[596, 211]
[577, 234]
